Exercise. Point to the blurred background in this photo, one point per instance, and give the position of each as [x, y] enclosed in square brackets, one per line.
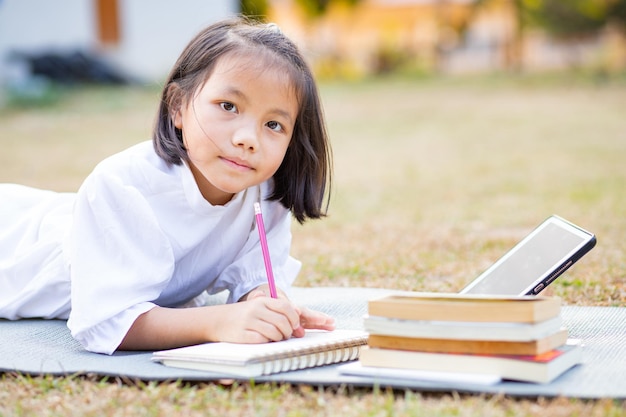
[456, 125]
[124, 41]
[357, 37]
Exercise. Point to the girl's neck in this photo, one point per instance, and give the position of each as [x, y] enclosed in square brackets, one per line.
[209, 192]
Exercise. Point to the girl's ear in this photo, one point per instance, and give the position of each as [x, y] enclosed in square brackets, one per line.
[177, 117]
[174, 100]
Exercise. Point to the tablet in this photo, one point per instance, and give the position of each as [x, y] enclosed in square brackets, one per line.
[535, 262]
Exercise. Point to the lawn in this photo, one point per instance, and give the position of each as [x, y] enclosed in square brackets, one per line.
[434, 180]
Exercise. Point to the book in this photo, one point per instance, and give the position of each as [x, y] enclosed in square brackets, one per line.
[357, 369]
[466, 307]
[316, 348]
[542, 368]
[491, 347]
[462, 330]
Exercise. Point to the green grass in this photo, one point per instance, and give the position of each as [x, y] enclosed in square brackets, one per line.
[434, 180]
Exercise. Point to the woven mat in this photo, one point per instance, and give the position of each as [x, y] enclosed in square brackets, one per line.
[46, 347]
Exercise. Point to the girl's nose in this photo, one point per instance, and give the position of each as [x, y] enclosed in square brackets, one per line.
[246, 136]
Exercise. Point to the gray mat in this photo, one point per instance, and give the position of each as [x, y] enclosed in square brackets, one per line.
[46, 347]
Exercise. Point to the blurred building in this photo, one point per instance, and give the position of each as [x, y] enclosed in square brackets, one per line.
[375, 35]
[450, 36]
[140, 38]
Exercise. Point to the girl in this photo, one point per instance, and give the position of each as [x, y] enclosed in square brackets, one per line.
[154, 227]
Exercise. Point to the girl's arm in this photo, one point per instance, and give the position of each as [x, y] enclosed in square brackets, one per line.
[258, 320]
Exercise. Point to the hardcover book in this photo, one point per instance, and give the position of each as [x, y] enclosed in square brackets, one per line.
[491, 347]
[466, 307]
[542, 368]
[462, 330]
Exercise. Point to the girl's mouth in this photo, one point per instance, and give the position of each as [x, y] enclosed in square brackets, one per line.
[237, 163]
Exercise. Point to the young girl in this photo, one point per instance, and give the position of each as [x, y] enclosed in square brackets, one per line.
[154, 227]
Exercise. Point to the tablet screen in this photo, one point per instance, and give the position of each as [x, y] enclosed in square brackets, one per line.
[534, 262]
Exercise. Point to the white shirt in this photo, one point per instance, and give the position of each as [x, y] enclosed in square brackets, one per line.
[140, 234]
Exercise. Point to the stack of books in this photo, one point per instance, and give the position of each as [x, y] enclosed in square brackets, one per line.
[512, 337]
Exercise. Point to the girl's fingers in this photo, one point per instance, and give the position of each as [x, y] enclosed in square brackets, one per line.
[276, 318]
[264, 332]
[286, 309]
[310, 319]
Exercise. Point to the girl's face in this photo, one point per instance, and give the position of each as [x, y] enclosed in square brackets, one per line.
[237, 128]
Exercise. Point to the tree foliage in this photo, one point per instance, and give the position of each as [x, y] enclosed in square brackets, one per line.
[316, 8]
[574, 17]
[254, 8]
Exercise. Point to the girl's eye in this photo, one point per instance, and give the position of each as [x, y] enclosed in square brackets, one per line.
[229, 107]
[275, 126]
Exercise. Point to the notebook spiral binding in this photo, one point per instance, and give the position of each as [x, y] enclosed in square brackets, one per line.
[292, 359]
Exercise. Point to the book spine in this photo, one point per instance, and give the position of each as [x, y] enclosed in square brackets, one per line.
[532, 347]
[526, 311]
[461, 330]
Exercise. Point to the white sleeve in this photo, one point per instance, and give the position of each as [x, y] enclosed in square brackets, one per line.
[247, 272]
[120, 260]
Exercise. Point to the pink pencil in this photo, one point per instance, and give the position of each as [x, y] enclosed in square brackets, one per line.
[265, 249]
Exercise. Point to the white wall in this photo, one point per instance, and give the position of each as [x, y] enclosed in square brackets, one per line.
[153, 32]
[44, 24]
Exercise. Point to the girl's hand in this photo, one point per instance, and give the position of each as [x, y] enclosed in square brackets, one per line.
[309, 319]
[257, 320]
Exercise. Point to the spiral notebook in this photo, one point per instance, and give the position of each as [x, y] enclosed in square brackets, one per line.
[316, 348]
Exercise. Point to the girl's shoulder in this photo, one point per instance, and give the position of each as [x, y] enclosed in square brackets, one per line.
[139, 157]
[138, 166]
[140, 154]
